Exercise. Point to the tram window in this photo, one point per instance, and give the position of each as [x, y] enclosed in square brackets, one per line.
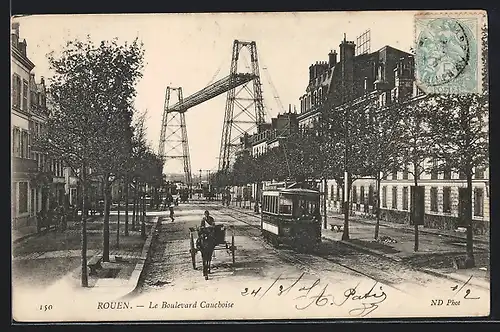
[304, 207]
[286, 205]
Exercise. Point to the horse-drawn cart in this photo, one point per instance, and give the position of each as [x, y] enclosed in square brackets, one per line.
[209, 239]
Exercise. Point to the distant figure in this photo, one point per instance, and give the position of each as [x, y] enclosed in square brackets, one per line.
[171, 208]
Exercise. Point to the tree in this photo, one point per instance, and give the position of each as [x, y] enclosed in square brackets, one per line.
[91, 87]
[383, 142]
[459, 128]
[112, 71]
[348, 148]
[416, 143]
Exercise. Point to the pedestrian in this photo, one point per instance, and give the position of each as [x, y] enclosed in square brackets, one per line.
[171, 208]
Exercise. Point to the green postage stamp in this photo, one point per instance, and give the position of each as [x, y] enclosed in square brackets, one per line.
[448, 48]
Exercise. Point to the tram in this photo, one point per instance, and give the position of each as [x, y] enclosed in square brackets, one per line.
[291, 216]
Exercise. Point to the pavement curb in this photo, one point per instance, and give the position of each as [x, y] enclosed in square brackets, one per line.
[139, 267]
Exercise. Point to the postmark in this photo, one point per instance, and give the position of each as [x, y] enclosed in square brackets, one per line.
[447, 52]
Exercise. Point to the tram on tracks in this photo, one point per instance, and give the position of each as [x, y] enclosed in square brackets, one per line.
[291, 216]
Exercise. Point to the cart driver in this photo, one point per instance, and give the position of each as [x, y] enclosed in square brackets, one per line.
[207, 219]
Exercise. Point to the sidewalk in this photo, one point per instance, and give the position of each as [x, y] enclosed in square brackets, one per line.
[480, 238]
[437, 249]
[51, 262]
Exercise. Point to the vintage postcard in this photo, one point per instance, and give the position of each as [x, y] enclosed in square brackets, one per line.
[250, 166]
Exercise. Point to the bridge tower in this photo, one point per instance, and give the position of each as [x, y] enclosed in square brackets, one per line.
[250, 112]
[173, 136]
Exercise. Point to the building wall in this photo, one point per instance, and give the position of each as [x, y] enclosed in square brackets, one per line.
[398, 212]
[27, 121]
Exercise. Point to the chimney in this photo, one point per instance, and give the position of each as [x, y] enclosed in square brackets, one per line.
[22, 47]
[14, 34]
[347, 50]
[311, 72]
[332, 58]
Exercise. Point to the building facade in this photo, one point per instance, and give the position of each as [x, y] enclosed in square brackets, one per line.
[384, 77]
[38, 182]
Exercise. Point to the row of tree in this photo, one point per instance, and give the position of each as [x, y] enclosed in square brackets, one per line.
[94, 128]
[363, 138]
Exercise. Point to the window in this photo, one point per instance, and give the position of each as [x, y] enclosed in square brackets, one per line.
[384, 196]
[478, 202]
[447, 199]
[370, 195]
[16, 91]
[479, 173]
[354, 194]
[362, 195]
[23, 197]
[25, 95]
[447, 173]
[434, 194]
[331, 193]
[25, 150]
[461, 175]
[434, 171]
[394, 197]
[405, 198]
[395, 174]
[405, 172]
[338, 193]
[16, 142]
[285, 205]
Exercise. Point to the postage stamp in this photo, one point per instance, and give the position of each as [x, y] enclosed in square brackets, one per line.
[448, 52]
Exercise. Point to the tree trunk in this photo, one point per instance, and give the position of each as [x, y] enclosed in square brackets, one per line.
[107, 204]
[65, 212]
[143, 214]
[469, 261]
[134, 208]
[377, 212]
[415, 224]
[118, 223]
[83, 224]
[325, 192]
[126, 206]
[345, 234]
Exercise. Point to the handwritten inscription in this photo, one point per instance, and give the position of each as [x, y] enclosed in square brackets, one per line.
[458, 291]
[360, 302]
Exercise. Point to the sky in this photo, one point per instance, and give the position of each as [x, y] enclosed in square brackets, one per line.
[192, 50]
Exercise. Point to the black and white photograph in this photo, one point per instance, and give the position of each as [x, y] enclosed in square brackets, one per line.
[250, 166]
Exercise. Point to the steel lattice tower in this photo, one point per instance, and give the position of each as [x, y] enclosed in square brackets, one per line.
[173, 137]
[250, 114]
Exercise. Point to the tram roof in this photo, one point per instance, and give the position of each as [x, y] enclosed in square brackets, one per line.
[299, 191]
[292, 191]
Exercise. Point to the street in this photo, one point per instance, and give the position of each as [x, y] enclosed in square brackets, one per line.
[259, 266]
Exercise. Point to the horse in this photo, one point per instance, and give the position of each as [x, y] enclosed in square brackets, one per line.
[206, 245]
